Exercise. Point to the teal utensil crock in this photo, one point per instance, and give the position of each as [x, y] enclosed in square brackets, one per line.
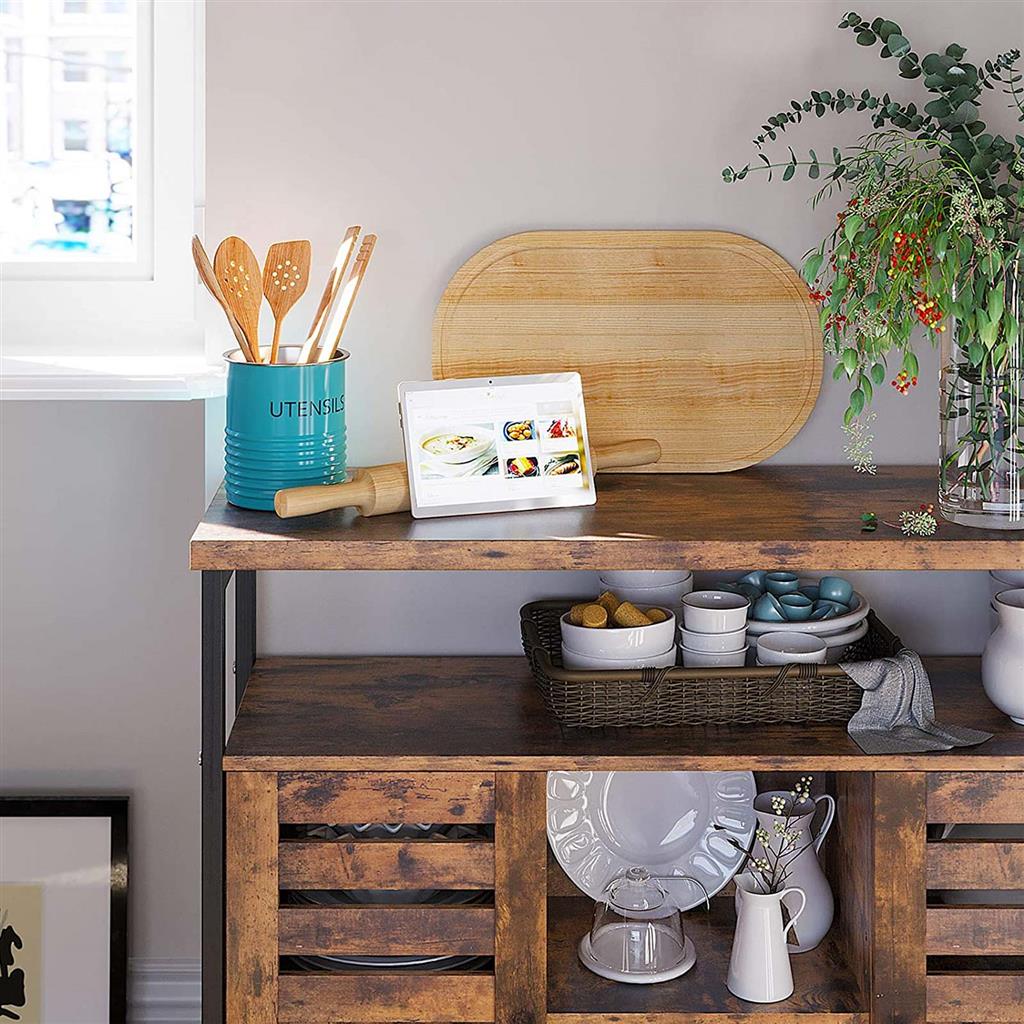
[285, 426]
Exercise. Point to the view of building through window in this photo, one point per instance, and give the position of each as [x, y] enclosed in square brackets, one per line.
[68, 98]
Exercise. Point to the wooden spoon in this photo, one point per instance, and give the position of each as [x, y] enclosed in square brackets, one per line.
[331, 289]
[209, 278]
[285, 276]
[379, 490]
[238, 274]
[339, 317]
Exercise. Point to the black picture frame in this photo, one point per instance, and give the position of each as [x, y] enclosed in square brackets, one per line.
[116, 809]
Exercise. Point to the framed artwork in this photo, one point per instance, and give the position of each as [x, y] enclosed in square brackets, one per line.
[63, 909]
[496, 444]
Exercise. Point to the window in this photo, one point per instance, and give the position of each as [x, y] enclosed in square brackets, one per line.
[76, 135]
[11, 7]
[76, 68]
[116, 65]
[76, 7]
[115, 6]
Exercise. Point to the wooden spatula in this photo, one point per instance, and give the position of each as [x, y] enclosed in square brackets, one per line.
[378, 490]
[209, 278]
[238, 274]
[331, 289]
[285, 276]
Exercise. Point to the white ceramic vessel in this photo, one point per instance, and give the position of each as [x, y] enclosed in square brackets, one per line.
[713, 643]
[789, 648]
[804, 870]
[1002, 664]
[817, 627]
[714, 611]
[667, 595]
[644, 577]
[759, 968]
[630, 642]
[571, 659]
[723, 659]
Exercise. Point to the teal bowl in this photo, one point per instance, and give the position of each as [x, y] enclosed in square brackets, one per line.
[285, 426]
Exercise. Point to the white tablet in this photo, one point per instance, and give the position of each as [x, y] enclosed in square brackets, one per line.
[496, 444]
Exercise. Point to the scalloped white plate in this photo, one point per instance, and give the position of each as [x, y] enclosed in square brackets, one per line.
[602, 823]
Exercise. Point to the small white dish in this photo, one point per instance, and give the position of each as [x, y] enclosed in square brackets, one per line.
[713, 643]
[621, 641]
[571, 659]
[602, 970]
[714, 611]
[667, 595]
[839, 642]
[788, 648]
[644, 577]
[704, 659]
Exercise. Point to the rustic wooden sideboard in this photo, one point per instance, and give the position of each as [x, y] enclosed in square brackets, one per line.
[467, 740]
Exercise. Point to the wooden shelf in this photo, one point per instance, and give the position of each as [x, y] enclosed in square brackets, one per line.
[784, 516]
[485, 714]
[826, 992]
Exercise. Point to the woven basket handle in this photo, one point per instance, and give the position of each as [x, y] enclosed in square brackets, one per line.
[653, 678]
[804, 670]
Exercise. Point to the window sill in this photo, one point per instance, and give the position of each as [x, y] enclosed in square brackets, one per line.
[120, 378]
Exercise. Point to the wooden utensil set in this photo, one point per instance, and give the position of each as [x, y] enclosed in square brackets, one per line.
[238, 286]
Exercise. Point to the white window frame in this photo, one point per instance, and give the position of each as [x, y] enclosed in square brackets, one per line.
[146, 307]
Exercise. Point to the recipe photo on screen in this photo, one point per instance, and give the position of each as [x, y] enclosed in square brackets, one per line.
[496, 444]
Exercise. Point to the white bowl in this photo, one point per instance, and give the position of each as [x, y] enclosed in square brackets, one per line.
[819, 627]
[838, 642]
[705, 659]
[713, 643]
[714, 611]
[483, 439]
[667, 595]
[787, 648]
[570, 659]
[644, 577]
[629, 642]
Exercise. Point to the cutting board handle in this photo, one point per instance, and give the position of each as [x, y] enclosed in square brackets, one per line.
[625, 454]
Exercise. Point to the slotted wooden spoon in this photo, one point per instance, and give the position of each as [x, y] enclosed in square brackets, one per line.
[285, 276]
[238, 274]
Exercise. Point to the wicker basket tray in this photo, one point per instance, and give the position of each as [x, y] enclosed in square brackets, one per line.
[691, 696]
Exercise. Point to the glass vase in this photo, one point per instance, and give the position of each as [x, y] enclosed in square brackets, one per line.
[981, 428]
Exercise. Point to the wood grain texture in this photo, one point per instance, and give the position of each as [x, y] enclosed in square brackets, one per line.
[520, 865]
[705, 340]
[975, 931]
[823, 982]
[285, 277]
[381, 998]
[387, 930]
[238, 274]
[976, 864]
[976, 797]
[251, 897]
[992, 998]
[639, 522]
[395, 714]
[898, 945]
[386, 865]
[768, 1016]
[393, 797]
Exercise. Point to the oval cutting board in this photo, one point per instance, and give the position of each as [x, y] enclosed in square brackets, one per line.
[704, 340]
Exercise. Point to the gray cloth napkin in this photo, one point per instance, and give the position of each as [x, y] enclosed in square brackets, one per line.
[897, 713]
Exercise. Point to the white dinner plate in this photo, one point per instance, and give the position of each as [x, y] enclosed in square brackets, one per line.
[603, 823]
[818, 627]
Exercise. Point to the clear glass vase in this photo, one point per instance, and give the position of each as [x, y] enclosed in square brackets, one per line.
[981, 429]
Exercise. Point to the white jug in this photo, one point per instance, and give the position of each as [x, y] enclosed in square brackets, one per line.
[759, 969]
[1002, 664]
[803, 871]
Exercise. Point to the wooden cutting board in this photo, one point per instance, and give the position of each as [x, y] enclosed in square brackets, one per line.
[704, 340]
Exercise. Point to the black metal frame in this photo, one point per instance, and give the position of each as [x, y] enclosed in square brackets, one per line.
[214, 691]
[116, 809]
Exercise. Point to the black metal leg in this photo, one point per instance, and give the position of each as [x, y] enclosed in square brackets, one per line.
[245, 630]
[214, 584]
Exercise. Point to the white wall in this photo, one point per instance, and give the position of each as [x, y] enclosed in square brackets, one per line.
[442, 127]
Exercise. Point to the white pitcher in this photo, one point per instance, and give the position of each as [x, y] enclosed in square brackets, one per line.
[759, 969]
[804, 871]
[1002, 664]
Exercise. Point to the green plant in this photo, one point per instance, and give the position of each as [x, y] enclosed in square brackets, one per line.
[933, 229]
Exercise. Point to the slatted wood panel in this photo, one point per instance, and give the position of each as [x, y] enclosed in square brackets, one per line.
[976, 864]
[381, 999]
[992, 998]
[386, 865]
[976, 931]
[387, 930]
[977, 798]
[251, 894]
[521, 849]
[348, 797]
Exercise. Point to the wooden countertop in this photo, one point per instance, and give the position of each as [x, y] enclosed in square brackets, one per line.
[785, 516]
[474, 713]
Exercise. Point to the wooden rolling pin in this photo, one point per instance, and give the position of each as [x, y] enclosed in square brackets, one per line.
[378, 490]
